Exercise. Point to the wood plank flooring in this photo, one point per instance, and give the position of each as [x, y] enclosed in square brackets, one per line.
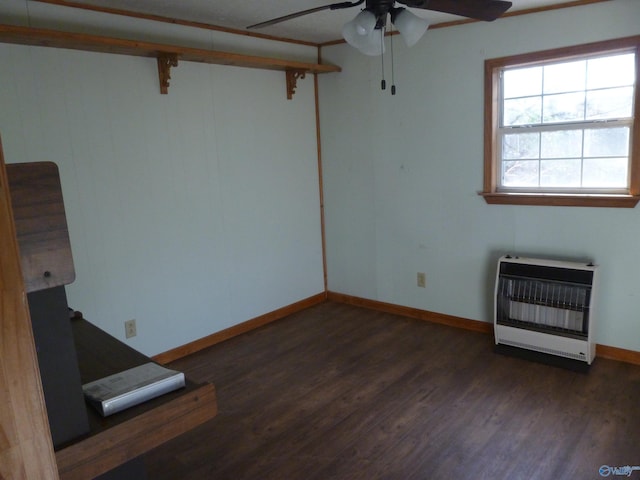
[341, 392]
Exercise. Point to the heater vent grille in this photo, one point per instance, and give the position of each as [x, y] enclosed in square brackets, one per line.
[546, 305]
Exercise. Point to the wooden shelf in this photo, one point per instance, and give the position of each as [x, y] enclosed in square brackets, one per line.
[93, 43]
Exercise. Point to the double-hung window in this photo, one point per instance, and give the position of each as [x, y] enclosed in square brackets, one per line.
[560, 126]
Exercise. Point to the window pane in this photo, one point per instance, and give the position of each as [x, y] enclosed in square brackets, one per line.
[521, 145]
[565, 77]
[605, 172]
[613, 71]
[522, 111]
[561, 144]
[520, 173]
[610, 103]
[606, 142]
[563, 107]
[560, 173]
[522, 82]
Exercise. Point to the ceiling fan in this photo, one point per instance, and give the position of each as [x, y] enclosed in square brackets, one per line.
[360, 31]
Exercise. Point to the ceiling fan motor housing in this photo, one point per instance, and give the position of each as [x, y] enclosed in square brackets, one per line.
[380, 8]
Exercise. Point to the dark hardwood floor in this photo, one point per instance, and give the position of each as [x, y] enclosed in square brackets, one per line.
[340, 392]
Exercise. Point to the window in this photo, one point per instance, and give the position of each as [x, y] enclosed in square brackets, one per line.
[560, 129]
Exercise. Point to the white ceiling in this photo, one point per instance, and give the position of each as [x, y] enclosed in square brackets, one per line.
[318, 27]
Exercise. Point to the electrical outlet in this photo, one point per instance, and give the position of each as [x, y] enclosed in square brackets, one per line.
[422, 281]
[130, 328]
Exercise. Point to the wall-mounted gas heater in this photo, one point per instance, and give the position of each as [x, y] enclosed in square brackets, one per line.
[546, 306]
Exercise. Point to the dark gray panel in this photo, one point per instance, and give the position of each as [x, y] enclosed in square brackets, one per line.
[58, 363]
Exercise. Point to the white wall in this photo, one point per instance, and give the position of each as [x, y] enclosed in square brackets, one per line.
[190, 212]
[401, 176]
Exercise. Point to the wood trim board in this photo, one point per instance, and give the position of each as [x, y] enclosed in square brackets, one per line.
[26, 448]
[441, 318]
[238, 329]
[602, 351]
[619, 354]
[174, 21]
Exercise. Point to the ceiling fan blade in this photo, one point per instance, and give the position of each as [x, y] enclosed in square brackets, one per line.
[284, 18]
[487, 10]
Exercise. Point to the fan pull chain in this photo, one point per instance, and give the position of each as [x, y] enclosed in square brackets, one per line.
[383, 83]
[393, 82]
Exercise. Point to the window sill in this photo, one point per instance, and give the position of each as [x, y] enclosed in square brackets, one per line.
[556, 200]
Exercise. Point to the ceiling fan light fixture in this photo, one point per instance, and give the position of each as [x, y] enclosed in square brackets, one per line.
[364, 22]
[410, 26]
[374, 45]
[371, 44]
[360, 26]
[361, 33]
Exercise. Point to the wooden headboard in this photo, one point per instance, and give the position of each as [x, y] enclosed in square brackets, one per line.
[41, 225]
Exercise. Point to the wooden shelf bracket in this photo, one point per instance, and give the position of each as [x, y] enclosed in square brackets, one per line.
[165, 62]
[292, 79]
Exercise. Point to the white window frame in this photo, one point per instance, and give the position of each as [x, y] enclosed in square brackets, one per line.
[492, 192]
